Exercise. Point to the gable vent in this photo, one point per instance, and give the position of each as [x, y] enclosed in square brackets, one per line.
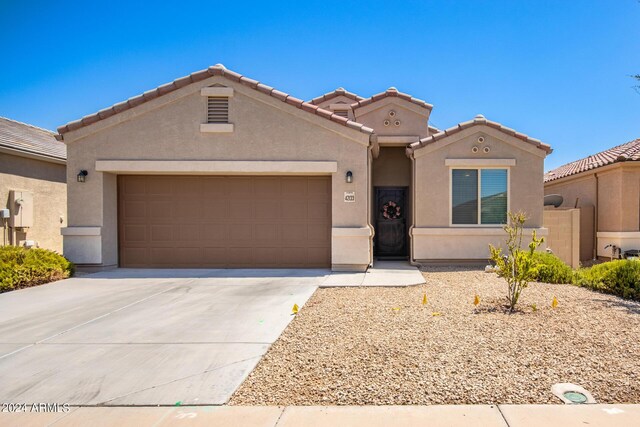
[342, 113]
[217, 109]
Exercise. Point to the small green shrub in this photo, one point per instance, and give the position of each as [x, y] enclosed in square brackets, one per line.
[551, 269]
[619, 277]
[516, 266]
[21, 268]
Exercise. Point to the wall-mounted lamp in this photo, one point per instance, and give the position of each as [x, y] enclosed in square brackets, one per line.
[349, 177]
[82, 175]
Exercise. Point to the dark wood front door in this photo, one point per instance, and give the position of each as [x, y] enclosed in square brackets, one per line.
[391, 222]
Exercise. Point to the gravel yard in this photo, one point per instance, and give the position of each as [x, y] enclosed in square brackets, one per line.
[381, 346]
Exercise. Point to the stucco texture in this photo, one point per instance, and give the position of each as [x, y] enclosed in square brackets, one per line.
[168, 128]
[615, 192]
[433, 237]
[46, 181]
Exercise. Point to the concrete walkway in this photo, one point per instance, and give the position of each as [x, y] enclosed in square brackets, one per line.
[329, 416]
[383, 273]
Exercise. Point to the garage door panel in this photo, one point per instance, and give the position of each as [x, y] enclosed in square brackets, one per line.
[295, 209]
[134, 257]
[239, 210]
[267, 188]
[160, 186]
[266, 232]
[268, 209]
[214, 234]
[319, 186]
[319, 211]
[160, 210]
[294, 187]
[239, 187]
[266, 256]
[135, 233]
[215, 222]
[317, 233]
[134, 209]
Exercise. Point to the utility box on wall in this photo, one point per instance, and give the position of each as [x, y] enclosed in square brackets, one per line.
[21, 207]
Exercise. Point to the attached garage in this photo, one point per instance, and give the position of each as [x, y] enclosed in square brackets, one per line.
[167, 221]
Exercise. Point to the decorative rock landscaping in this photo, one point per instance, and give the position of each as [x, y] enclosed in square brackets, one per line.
[383, 346]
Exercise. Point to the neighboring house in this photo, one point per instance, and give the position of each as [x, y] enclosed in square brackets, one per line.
[218, 170]
[32, 186]
[608, 181]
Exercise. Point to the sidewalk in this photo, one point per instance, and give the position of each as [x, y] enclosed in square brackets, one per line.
[356, 416]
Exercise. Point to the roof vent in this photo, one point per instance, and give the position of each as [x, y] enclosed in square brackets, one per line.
[342, 113]
[217, 109]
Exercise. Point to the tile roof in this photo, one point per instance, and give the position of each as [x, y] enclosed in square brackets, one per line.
[478, 120]
[336, 93]
[629, 151]
[391, 92]
[30, 139]
[216, 70]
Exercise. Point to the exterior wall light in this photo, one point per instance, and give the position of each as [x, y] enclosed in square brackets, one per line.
[349, 177]
[82, 175]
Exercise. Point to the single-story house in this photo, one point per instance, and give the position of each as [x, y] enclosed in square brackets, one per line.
[609, 182]
[216, 169]
[33, 189]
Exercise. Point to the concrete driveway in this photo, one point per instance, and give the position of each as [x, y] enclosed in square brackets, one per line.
[144, 337]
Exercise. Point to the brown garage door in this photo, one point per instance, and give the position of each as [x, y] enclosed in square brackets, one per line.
[224, 221]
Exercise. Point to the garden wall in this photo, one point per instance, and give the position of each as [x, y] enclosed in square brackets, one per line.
[564, 234]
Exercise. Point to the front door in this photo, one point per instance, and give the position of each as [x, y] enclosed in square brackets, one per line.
[391, 222]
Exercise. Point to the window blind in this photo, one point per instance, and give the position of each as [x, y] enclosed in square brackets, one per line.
[464, 196]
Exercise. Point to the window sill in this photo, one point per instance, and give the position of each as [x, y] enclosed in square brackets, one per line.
[216, 128]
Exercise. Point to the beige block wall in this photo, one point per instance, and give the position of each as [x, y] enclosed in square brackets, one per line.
[168, 128]
[564, 234]
[47, 182]
[433, 237]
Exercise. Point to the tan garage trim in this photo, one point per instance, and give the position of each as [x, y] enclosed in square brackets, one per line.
[168, 221]
[216, 167]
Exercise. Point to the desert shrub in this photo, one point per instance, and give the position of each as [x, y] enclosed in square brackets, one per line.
[619, 277]
[517, 265]
[21, 268]
[551, 269]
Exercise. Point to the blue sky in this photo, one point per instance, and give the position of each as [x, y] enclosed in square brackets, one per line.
[556, 70]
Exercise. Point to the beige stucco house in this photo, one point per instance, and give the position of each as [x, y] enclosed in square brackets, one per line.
[218, 170]
[609, 184]
[33, 194]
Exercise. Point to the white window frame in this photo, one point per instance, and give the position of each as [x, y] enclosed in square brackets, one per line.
[479, 169]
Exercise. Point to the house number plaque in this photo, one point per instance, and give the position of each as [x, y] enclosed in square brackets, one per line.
[349, 196]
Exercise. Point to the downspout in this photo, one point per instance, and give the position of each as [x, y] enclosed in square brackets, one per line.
[595, 219]
[410, 153]
[371, 153]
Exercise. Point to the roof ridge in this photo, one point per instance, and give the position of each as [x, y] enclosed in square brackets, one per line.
[28, 124]
[335, 93]
[215, 70]
[478, 120]
[392, 91]
[615, 154]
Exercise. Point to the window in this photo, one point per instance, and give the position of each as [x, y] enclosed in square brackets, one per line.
[479, 196]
